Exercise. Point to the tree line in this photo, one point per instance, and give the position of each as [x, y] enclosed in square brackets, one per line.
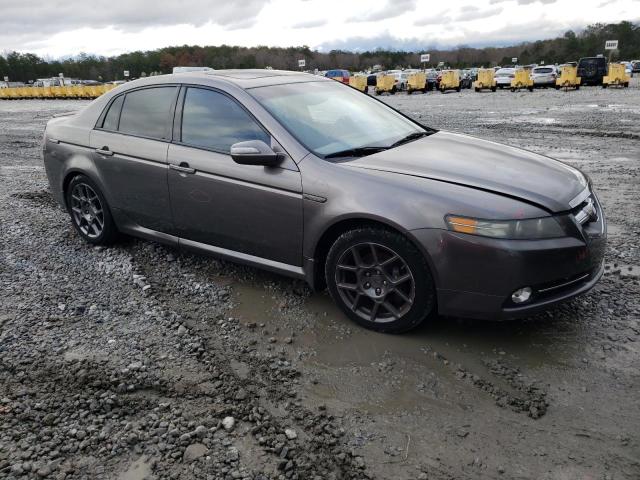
[569, 47]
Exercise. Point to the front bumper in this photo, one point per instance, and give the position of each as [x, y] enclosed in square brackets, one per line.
[475, 276]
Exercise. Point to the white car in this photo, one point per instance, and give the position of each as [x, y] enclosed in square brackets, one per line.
[504, 76]
[544, 76]
[402, 78]
[628, 68]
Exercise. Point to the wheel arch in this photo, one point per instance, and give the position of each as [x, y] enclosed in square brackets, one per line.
[342, 225]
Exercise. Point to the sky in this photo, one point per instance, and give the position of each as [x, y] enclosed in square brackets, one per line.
[59, 28]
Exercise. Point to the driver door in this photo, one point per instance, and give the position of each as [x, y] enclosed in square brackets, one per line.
[250, 209]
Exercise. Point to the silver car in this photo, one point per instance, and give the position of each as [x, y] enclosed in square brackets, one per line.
[545, 76]
[307, 177]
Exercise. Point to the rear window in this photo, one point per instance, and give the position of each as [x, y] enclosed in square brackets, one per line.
[542, 70]
[147, 112]
[592, 61]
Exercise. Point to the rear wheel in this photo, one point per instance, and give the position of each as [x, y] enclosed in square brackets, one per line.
[380, 280]
[90, 214]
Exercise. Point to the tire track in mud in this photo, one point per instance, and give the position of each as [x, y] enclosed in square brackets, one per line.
[269, 383]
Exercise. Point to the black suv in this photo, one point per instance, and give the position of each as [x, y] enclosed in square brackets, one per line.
[592, 70]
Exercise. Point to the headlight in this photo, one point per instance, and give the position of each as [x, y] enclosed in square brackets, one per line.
[527, 229]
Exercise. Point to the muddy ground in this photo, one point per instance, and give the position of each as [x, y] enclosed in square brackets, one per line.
[140, 361]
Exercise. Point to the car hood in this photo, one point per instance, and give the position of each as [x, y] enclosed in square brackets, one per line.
[485, 165]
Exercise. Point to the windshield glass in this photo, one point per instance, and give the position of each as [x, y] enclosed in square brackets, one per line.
[327, 117]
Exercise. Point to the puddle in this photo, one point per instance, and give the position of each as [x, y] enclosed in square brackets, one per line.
[333, 340]
[138, 470]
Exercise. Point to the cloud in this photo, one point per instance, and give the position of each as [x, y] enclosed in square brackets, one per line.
[471, 12]
[391, 9]
[440, 18]
[524, 2]
[53, 17]
[310, 24]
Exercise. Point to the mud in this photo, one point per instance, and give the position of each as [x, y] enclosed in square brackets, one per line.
[549, 397]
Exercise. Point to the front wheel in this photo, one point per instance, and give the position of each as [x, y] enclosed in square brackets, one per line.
[90, 214]
[380, 280]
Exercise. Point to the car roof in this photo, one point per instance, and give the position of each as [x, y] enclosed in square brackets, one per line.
[246, 78]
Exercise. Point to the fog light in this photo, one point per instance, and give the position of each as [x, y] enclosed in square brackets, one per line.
[521, 295]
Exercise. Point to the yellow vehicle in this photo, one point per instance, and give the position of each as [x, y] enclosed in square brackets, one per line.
[616, 76]
[568, 78]
[386, 83]
[486, 79]
[358, 82]
[522, 79]
[417, 82]
[449, 80]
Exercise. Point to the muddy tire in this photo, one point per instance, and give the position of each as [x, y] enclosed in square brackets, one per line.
[493, 89]
[380, 280]
[89, 211]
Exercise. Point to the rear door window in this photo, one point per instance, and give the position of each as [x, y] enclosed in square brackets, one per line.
[112, 117]
[148, 112]
[214, 121]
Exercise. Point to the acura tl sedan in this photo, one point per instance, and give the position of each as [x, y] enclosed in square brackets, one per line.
[310, 178]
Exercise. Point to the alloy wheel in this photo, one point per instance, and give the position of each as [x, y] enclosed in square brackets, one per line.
[375, 282]
[87, 210]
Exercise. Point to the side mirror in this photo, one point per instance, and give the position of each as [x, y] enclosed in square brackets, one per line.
[255, 152]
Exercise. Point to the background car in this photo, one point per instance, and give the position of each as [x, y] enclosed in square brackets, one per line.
[466, 78]
[628, 68]
[504, 76]
[339, 75]
[592, 70]
[636, 66]
[544, 77]
[402, 78]
[432, 78]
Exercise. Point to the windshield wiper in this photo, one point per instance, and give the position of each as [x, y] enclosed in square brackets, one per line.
[410, 138]
[356, 152]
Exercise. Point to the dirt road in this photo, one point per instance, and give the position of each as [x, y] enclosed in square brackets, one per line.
[140, 361]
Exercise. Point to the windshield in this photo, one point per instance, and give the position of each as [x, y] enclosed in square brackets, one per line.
[327, 117]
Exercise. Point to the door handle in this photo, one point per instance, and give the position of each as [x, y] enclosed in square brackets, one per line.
[104, 151]
[182, 168]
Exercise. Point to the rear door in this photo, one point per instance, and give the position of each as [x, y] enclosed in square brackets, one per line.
[131, 142]
[249, 209]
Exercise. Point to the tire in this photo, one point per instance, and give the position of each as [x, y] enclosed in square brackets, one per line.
[604, 85]
[359, 304]
[409, 92]
[626, 84]
[458, 89]
[530, 89]
[493, 89]
[577, 87]
[477, 89]
[89, 212]
[442, 90]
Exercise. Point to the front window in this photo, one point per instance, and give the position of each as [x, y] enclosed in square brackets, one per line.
[214, 121]
[328, 118]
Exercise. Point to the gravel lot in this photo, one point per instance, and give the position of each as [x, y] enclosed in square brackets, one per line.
[142, 362]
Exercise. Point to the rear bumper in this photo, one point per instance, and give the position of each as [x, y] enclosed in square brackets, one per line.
[476, 276]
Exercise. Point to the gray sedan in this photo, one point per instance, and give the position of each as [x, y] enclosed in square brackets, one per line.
[306, 177]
